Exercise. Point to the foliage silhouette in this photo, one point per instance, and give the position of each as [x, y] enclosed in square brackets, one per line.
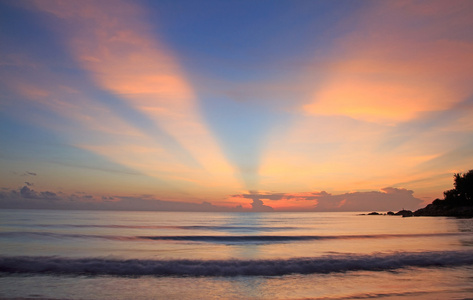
[462, 194]
[457, 202]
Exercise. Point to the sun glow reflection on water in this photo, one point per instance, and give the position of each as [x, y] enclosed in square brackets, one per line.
[211, 236]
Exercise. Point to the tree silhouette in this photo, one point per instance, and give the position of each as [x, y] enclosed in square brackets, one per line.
[458, 202]
[462, 194]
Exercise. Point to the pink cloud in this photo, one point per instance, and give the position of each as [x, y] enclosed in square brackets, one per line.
[400, 60]
[116, 46]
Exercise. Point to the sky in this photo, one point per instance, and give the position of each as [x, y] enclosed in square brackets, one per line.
[234, 105]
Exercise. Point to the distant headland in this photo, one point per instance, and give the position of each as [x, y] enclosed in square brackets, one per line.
[457, 202]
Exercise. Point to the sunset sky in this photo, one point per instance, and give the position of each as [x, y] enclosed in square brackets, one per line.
[234, 105]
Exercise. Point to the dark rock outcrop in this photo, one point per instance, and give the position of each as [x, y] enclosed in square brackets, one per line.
[404, 213]
[437, 209]
[458, 202]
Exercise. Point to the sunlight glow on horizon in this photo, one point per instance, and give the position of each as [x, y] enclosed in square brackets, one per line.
[120, 100]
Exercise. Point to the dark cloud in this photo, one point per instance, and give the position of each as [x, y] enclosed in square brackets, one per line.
[29, 183]
[387, 199]
[28, 198]
[48, 195]
[25, 197]
[257, 204]
[26, 192]
[29, 174]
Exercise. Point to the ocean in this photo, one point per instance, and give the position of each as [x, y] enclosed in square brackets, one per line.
[49, 254]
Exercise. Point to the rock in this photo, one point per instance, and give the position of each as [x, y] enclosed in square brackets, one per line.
[440, 209]
[390, 213]
[458, 202]
[404, 213]
[373, 214]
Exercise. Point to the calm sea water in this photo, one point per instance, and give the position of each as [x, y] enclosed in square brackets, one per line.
[169, 255]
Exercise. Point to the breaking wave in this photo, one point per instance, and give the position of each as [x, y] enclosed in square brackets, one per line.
[280, 238]
[227, 268]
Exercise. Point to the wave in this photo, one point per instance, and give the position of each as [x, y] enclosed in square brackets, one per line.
[224, 239]
[284, 238]
[228, 268]
[235, 238]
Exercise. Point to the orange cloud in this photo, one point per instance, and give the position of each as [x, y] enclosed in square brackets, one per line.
[339, 154]
[67, 102]
[401, 60]
[392, 98]
[115, 44]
